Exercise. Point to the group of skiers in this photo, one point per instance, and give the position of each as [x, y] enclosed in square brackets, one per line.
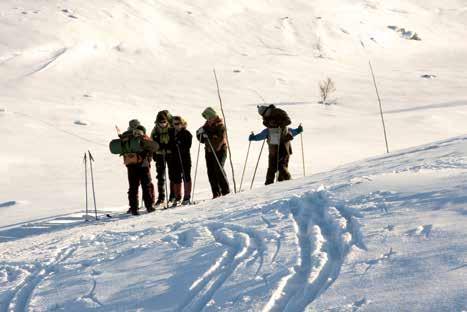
[169, 145]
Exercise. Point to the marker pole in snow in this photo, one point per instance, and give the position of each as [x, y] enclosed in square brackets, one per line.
[244, 167]
[226, 132]
[196, 171]
[91, 160]
[85, 161]
[379, 99]
[217, 160]
[380, 106]
[257, 163]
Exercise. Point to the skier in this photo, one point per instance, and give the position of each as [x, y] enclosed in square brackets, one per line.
[182, 166]
[213, 135]
[138, 166]
[278, 136]
[163, 134]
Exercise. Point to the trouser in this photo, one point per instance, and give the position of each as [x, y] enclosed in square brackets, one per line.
[163, 162]
[181, 172]
[219, 184]
[140, 175]
[274, 166]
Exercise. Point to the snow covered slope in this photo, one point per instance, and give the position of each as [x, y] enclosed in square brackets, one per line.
[384, 234]
[70, 70]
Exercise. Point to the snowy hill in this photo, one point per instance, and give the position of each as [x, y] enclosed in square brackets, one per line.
[385, 234]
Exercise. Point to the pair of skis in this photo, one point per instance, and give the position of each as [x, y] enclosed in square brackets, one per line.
[88, 155]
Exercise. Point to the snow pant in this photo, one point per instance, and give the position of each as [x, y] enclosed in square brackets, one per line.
[276, 156]
[219, 184]
[163, 162]
[137, 175]
[181, 172]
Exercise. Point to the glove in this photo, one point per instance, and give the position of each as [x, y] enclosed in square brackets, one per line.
[299, 129]
[251, 137]
[200, 131]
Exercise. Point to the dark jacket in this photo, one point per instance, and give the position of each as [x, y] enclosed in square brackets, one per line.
[216, 132]
[183, 140]
[165, 139]
[277, 118]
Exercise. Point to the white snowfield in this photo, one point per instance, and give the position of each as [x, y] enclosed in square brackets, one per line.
[383, 234]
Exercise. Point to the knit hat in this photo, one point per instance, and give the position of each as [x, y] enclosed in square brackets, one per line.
[164, 115]
[133, 124]
[209, 113]
[262, 109]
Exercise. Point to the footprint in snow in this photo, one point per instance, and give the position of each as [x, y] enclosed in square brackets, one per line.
[183, 239]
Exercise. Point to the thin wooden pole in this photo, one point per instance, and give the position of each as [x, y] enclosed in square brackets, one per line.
[226, 132]
[380, 106]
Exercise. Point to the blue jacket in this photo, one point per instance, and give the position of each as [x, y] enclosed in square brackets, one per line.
[265, 133]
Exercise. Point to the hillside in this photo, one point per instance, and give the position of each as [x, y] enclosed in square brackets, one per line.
[384, 234]
[69, 63]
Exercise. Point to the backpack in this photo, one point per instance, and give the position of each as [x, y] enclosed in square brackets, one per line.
[126, 145]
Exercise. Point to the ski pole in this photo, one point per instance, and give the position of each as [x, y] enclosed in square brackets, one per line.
[278, 159]
[257, 163]
[303, 153]
[91, 160]
[166, 182]
[226, 132]
[196, 172]
[217, 160]
[85, 161]
[244, 167]
[181, 163]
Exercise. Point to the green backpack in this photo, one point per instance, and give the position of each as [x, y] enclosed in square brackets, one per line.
[126, 145]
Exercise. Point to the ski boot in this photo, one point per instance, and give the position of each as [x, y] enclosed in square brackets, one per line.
[133, 212]
[158, 203]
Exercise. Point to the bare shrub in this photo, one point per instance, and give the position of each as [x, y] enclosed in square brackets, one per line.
[326, 87]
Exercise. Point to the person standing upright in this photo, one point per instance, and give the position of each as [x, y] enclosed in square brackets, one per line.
[182, 164]
[213, 135]
[138, 165]
[163, 134]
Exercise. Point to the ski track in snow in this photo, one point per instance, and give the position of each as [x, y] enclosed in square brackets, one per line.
[241, 244]
[324, 236]
[19, 299]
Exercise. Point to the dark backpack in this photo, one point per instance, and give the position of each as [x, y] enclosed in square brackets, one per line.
[126, 145]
